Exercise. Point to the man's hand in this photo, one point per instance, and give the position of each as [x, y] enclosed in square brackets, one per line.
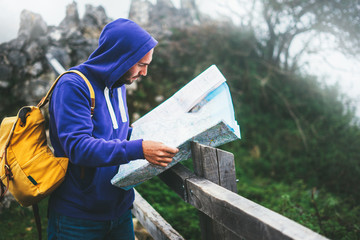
[158, 153]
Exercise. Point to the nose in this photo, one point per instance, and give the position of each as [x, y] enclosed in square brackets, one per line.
[143, 71]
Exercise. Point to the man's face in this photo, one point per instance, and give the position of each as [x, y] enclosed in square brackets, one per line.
[138, 70]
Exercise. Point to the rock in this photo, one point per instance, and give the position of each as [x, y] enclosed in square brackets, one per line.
[5, 75]
[34, 51]
[23, 63]
[31, 25]
[140, 12]
[95, 16]
[61, 54]
[35, 88]
[80, 54]
[43, 41]
[74, 38]
[17, 58]
[94, 21]
[55, 35]
[35, 69]
[18, 43]
[163, 16]
[71, 20]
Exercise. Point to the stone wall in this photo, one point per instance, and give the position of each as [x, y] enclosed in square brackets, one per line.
[25, 74]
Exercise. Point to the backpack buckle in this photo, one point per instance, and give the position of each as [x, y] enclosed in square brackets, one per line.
[8, 172]
[23, 114]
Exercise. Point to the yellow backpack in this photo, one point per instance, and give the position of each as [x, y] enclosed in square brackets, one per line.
[28, 168]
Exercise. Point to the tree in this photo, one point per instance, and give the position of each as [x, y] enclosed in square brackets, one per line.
[279, 23]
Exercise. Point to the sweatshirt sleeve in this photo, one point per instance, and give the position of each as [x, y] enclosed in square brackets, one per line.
[70, 110]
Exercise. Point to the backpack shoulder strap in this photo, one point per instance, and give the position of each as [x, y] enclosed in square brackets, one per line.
[92, 93]
[45, 99]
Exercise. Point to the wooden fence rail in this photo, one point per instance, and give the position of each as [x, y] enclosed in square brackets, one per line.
[224, 213]
[156, 225]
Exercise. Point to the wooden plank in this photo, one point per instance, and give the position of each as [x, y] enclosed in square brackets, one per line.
[175, 178]
[205, 162]
[158, 228]
[236, 213]
[196, 154]
[227, 179]
[227, 173]
[205, 165]
[211, 166]
[241, 216]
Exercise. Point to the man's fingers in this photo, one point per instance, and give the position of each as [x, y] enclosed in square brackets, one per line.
[166, 160]
[166, 154]
[158, 153]
[162, 164]
[163, 159]
[171, 150]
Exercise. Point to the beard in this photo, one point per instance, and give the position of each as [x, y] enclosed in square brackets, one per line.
[126, 79]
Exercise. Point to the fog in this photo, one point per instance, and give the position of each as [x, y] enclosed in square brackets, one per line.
[330, 66]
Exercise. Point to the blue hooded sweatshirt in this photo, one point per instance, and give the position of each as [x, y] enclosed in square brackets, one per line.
[97, 145]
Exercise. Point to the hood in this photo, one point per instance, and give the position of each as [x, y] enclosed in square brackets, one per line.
[122, 44]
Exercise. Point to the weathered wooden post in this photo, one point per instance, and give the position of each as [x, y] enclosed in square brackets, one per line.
[242, 218]
[218, 166]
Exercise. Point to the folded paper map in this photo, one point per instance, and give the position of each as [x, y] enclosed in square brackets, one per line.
[201, 111]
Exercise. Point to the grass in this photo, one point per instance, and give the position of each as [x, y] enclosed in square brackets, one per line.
[330, 215]
[18, 222]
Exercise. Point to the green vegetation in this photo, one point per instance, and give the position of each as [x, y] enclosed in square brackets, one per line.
[299, 153]
[18, 222]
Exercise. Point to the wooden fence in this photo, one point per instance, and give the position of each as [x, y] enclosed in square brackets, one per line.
[224, 214]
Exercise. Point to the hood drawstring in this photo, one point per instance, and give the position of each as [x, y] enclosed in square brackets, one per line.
[122, 106]
[107, 94]
[110, 108]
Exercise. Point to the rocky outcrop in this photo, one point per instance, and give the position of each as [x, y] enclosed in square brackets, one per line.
[25, 74]
[160, 18]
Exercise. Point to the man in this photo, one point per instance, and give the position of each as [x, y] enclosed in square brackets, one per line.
[86, 205]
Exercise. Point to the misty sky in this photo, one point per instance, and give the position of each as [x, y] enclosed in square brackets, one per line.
[332, 67]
